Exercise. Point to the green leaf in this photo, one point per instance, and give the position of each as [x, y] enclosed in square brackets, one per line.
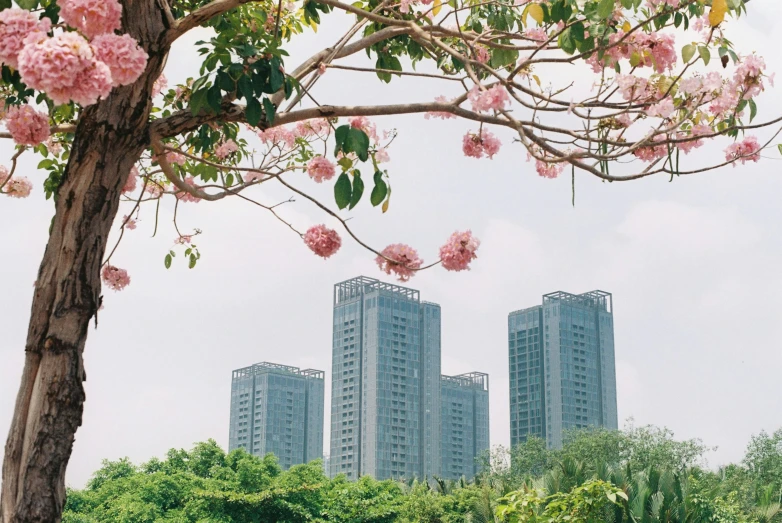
[780, 148]
[270, 110]
[566, 42]
[605, 9]
[342, 191]
[753, 110]
[254, 112]
[340, 136]
[358, 189]
[5, 4]
[345, 162]
[705, 54]
[168, 261]
[688, 51]
[246, 87]
[276, 77]
[26, 4]
[381, 189]
[192, 262]
[357, 142]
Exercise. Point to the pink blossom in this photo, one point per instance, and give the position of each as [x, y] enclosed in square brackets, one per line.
[18, 188]
[130, 184]
[122, 54]
[632, 87]
[183, 239]
[749, 76]
[319, 127]
[176, 158]
[476, 146]
[114, 277]
[363, 123]
[320, 168]
[492, 99]
[153, 188]
[185, 196]
[3, 174]
[321, 68]
[725, 103]
[129, 222]
[402, 260]
[655, 3]
[662, 109]
[225, 149]
[651, 50]
[625, 119]
[743, 151]
[53, 146]
[547, 169]
[322, 241]
[160, 84]
[459, 251]
[278, 136]
[537, 34]
[65, 68]
[26, 125]
[481, 54]
[91, 17]
[16, 25]
[649, 153]
[439, 114]
[251, 176]
[381, 155]
[697, 130]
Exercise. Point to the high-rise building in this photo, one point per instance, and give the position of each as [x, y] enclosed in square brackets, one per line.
[465, 423]
[385, 387]
[562, 369]
[278, 409]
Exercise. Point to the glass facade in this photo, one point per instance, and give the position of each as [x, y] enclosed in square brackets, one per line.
[278, 409]
[384, 399]
[465, 423]
[562, 368]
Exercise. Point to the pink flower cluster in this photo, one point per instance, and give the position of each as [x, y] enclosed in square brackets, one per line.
[320, 168]
[743, 151]
[536, 34]
[656, 3]
[122, 54]
[698, 85]
[14, 187]
[662, 109]
[26, 125]
[225, 149]
[546, 169]
[160, 84]
[16, 25]
[492, 99]
[130, 183]
[482, 54]
[129, 222]
[279, 136]
[480, 145]
[697, 130]
[440, 114]
[749, 76]
[650, 153]
[363, 123]
[651, 50]
[634, 87]
[91, 17]
[400, 259]
[319, 127]
[322, 241]
[459, 251]
[186, 196]
[176, 158]
[116, 278]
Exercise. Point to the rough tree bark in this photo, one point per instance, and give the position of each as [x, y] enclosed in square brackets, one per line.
[109, 139]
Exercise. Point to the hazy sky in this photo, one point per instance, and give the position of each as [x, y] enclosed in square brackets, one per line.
[694, 267]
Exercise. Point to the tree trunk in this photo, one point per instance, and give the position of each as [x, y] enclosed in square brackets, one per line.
[109, 139]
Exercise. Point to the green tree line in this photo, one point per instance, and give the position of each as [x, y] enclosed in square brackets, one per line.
[638, 475]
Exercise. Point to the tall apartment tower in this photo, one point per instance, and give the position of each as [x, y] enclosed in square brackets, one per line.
[465, 423]
[278, 409]
[385, 387]
[562, 369]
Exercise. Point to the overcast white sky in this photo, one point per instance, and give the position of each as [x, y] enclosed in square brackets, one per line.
[694, 267]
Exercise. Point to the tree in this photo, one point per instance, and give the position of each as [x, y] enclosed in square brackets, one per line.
[90, 102]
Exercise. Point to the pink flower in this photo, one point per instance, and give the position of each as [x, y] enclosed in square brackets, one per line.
[319, 169]
[18, 188]
[743, 151]
[459, 251]
[54, 147]
[321, 68]
[225, 149]
[476, 146]
[16, 25]
[176, 158]
[650, 153]
[481, 54]
[322, 241]
[319, 127]
[65, 68]
[662, 109]
[185, 196]
[278, 136]
[381, 155]
[123, 56]
[130, 223]
[363, 123]
[183, 239]
[251, 176]
[440, 114]
[91, 17]
[26, 125]
[130, 184]
[632, 87]
[3, 174]
[749, 76]
[404, 261]
[492, 99]
[160, 84]
[116, 278]
[153, 188]
[537, 34]
[697, 130]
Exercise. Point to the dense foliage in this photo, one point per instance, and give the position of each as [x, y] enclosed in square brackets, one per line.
[637, 475]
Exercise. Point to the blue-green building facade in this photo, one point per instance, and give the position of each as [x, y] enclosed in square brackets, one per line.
[465, 423]
[562, 366]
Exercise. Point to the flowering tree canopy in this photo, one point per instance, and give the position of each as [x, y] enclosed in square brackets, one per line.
[82, 87]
